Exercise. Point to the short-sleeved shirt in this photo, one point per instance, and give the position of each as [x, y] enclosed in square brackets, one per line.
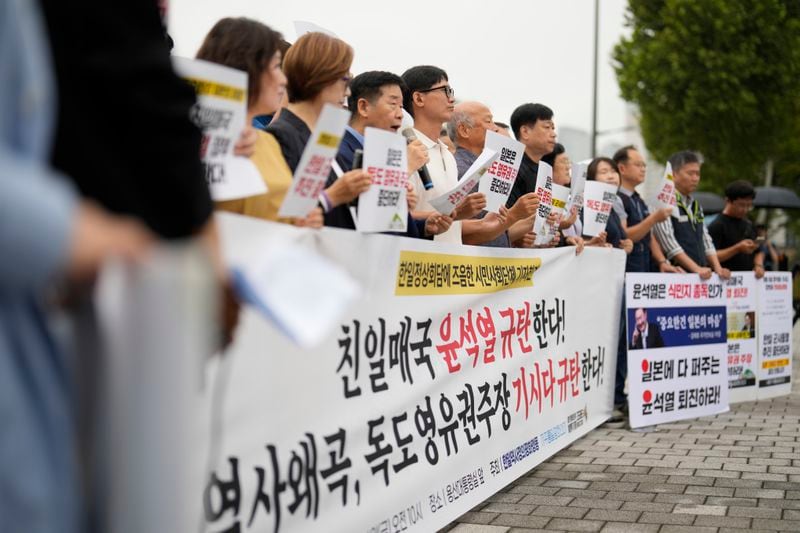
[726, 231]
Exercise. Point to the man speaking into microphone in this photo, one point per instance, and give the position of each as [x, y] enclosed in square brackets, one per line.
[429, 98]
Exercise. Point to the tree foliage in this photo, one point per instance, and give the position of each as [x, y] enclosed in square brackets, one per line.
[718, 76]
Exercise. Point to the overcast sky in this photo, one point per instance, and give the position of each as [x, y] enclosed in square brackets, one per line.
[502, 52]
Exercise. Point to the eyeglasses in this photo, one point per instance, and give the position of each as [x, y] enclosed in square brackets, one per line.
[448, 91]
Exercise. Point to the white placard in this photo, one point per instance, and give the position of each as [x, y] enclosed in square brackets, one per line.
[740, 294]
[598, 200]
[774, 334]
[301, 27]
[220, 113]
[383, 207]
[559, 201]
[677, 347]
[315, 164]
[577, 186]
[665, 193]
[499, 179]
[449, 200]
[544, 188]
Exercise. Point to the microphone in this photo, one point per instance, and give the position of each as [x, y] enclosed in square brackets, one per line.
[424, 175]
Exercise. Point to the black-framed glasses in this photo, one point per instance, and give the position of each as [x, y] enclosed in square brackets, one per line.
[448, 91]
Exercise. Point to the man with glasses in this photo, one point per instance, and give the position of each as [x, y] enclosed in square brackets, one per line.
[430, 100]
[734, 235]
[684, 238]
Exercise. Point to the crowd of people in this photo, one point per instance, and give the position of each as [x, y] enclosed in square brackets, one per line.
[82, 188]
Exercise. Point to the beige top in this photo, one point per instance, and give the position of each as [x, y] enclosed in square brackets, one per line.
[276, 174]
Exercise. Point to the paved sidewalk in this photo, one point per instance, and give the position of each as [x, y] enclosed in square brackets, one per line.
[735, 472]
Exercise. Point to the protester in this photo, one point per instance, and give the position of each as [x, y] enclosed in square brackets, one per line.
[771, 258]
[503, 128]
[48, 234]
[254, 48]
[533, 126]
[317, 69]
[684, 238]
[639, 220]
[467, 128]
[262, 121]
[447, 140]
[376, 101]
[429, 99]
[734, 235]
[603, 169]
[562, 167]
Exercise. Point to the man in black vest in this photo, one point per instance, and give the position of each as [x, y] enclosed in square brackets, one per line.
[684, 238]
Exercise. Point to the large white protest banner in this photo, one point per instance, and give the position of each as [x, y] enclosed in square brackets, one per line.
[774, 326]
[677, 349]
[598, 200]
[383, 207]
[740, 294]
[220, 113]
[449, 200]
[456, 372]
[499, 179]
[315, 164]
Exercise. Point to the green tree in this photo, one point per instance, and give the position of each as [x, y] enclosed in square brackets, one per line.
[718, 76]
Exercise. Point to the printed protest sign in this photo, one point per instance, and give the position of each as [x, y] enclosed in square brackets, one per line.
[598, 199]
[544, 188]
[383, 207]
[774, 334]
[449, 200]
[665, 193]
[451, 376]
[740, 295]
[220, 113]
[560, 195]
[315, 164]
[499, 179]
[577, 185]
[677, 347]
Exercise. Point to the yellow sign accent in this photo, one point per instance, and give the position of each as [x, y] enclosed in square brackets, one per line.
[777, 363]
[326, 139]
[739, 335]
[211, 88]
[429, 274]
[558, 203]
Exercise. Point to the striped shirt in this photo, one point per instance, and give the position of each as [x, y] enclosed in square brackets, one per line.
[665, 234]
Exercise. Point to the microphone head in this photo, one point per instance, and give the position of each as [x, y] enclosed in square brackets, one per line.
[409, 134]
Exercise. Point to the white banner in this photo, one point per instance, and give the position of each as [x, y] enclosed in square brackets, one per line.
[452, 376]
[598, 199]
[315, 164]
[383, 207]
[677, 349]
[220, 113]
[740, 294]
[774, 334]
[500, 177]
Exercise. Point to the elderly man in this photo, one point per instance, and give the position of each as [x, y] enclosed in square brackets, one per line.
[467, 129]
[684, 238]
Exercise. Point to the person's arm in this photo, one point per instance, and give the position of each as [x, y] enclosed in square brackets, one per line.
[519, 229]
[665, 235]
[479, 231]
[658, 256]
[637, 232]
[711, 256]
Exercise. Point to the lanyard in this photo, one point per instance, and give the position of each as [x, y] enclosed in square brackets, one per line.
[694, 214]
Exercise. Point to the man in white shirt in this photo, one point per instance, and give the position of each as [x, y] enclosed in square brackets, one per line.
[429, 99]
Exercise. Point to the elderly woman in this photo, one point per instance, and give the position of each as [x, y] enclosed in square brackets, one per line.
[317, 69]
[254, 48]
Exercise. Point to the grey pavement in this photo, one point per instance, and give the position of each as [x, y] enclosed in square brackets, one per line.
[734, 472]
